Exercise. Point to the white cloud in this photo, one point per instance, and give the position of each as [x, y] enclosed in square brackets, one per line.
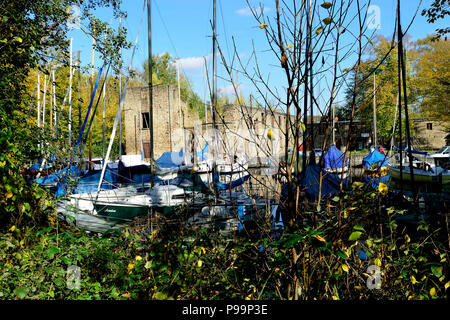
[247, 12]
[229, 90]
[191, 63]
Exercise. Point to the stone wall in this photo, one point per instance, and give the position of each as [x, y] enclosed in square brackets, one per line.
[255, 131]
[430, 134]
[169, 116]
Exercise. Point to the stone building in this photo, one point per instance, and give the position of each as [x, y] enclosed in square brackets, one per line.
[170, 116]
[254, 131]
[429, 134]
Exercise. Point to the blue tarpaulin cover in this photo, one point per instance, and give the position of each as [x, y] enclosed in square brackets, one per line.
[374, 161]
[226, 186]
[310, 182]
[171, 159]
[334, 158]
[88, 182]
[203, 155]
[377, 158]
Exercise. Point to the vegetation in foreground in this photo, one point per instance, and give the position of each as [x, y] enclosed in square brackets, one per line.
[331, 254]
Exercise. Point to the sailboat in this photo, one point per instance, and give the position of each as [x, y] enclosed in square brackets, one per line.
[424, 170]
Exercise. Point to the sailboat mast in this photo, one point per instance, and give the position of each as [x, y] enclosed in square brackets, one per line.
[150, 85]
[214, 100]
[375, 141]
[92, 91]
[39, 100]
[70, 95]
[405, 99]
[332, 102]
[214, 96]
[120, 95]
[43, 101]
[104, 114]
[54, 96]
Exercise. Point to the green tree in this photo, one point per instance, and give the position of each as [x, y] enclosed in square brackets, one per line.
[32, 34]
[383, 64]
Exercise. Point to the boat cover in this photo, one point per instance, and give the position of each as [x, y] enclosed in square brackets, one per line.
[375, 164]
[310, 182]
[226, 186]
[169, 160]
[334, 158]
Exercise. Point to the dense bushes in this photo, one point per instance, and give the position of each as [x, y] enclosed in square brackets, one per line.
[318, 261]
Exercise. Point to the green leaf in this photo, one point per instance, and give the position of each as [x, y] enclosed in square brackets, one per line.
[336, 199]
[437, 271]
[341, 254]
[368, 39]
[355, 236]
[21, 292]
[160, 296]
[359, 228]
[51, 252]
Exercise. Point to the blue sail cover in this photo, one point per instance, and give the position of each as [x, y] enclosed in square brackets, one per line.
[226, 186]
[377, 158]
[203, 155]
[88, 182]
[60, 179]
[138, 174]
[373, 161]
[310, 182]
[81, 183]
[334, 158]
[171, 159]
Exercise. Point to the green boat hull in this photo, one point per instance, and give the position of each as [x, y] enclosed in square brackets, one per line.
[121, 212]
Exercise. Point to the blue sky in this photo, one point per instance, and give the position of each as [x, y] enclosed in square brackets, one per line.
[182, 28]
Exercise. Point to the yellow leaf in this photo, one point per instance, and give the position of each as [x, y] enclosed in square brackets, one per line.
[263, 26]
[359, 287]
[344, 267]
[203, 250]
[413, 280]
[12, 228]
[248, 297]
[319, 30]
[447, 285]
[433, 292]
[407, 239]
[138, 258]
[383, 188]
[442, 278]
[335, 298]
[319, 238]
[199, 263]
[9, 194]
[377, 262]
[288, 47]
